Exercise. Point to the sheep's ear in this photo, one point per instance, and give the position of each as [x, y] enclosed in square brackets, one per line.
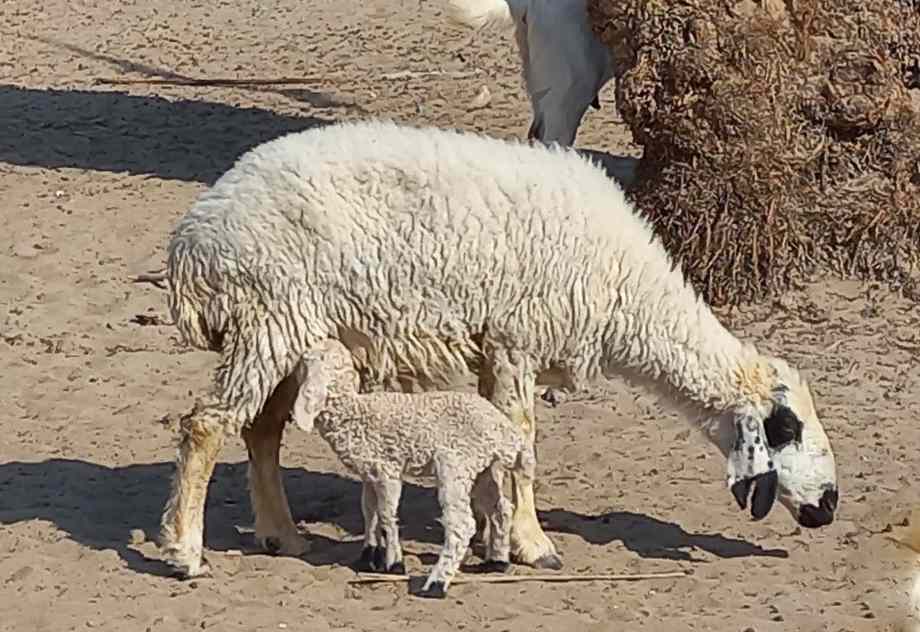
[310, 400]
[311, 397]
[750, 465]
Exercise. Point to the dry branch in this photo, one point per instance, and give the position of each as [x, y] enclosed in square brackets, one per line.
[376, 578]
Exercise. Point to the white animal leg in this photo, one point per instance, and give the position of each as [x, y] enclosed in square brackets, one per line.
[454, 487]
[388, 491]
[507, 379]
[182, 524]
[275, 528]
[372, 554]
[490, 501]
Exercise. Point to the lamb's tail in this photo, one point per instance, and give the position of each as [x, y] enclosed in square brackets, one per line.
[478, 14]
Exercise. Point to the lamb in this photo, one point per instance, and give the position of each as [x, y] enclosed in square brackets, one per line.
[564, 65]
[430, 253]
[461, 438]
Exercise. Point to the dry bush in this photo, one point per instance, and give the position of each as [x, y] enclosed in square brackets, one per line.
[779, 139]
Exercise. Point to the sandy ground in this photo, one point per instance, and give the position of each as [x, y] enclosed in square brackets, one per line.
[92, 178]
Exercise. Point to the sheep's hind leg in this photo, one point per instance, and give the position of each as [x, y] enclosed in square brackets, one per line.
[388, 492]
[454, 487]
[373, 553]
[182, 525]
[489, 501]
[508, 380]
[275, 528]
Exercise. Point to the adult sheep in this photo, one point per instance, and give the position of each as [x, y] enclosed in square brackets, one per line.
[429, 252]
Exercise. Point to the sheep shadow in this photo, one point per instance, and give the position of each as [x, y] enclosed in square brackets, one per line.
[99, 506]
[148, 135]
[650, 537]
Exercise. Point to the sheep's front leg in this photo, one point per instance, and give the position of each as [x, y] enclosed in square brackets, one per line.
[373, 554]
[490, 502]
[508, 379]
[388, 492]
[182, 526]
[454, 486]
[275, 528]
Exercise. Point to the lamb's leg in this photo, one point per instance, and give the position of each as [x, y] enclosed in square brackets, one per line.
[490, 501]
[454, 486]
[372, 555]
[508, 380]
[388, 491]
[182, 525]
[275, 528]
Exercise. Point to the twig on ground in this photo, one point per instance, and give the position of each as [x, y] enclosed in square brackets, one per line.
[157, 278]
[376, 578]
[227, 81]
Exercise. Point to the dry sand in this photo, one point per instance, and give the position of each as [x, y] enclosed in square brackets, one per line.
[93, 177]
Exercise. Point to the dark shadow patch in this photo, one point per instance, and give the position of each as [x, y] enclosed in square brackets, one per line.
[650, 537]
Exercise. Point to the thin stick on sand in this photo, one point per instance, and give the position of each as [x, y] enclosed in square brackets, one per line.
[378, 578]
[157, 278]
[281, 81]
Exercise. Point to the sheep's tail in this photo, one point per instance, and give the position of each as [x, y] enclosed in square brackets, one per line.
[200, 311]
[478, 14]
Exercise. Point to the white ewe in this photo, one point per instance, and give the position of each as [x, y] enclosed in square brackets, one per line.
[565, 66]
[462, 439]
[430, 252]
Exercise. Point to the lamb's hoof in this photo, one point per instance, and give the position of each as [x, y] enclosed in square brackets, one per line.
[550, 562]
[553, 397]
[371, 560]
[493, 566]
[397, 569]
[272, 545]
[435, 590]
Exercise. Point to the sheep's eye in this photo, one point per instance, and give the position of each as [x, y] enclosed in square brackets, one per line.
[782, 427]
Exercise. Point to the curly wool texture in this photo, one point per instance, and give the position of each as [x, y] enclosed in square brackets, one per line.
[388, 434]
[411, 244]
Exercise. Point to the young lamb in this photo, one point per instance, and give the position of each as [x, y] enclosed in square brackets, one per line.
[429, 253]
[564, 65]
[461, 439]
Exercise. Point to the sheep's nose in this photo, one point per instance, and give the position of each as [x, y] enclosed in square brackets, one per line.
[813, 517]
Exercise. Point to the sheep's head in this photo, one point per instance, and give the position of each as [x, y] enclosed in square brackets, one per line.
[326, 370]
[776, 446]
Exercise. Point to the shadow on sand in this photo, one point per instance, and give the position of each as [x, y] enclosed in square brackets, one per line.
[98, 506]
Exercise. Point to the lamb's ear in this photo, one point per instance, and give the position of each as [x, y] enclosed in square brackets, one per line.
[750, 465]
[311, 396]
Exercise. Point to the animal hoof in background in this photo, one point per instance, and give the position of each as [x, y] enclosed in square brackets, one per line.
[371, 560]
[292, 545]
[550, 562]
[553, 397]
[397, 569]
[272, 545]
[493, 566]
[435, 590]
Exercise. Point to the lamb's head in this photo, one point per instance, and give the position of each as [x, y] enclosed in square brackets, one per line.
[326, 370]
[776, 445]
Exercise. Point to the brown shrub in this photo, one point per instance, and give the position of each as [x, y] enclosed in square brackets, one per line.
[779, 139]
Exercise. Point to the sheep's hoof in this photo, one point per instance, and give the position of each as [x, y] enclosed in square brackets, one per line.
[184, 572]
[550, 561]
[553, 397]
[397, 569]
[272, 545]
[435, 590]
[371, 560]
[493, 566]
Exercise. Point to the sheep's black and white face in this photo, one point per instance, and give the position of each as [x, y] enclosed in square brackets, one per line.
[778, 450]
